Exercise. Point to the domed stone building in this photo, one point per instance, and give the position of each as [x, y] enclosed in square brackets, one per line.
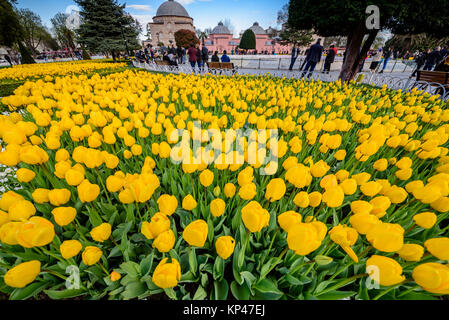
[170, 17]
[222, 39]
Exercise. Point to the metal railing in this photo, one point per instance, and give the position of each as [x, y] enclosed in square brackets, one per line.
[375, 80]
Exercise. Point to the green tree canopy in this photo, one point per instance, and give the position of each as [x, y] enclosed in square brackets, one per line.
[185, 37]
[248, 40]
[34, 31]
[64, 35]
[348, 18]
[11, 30]
[100, 29]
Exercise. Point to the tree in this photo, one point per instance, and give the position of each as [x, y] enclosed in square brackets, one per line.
[34, 31]
[415, 42]
[292, 35]
[202, 35]
[63, 34]
[101, 27]
[350, 18]
[248, 40]
[12, 31]
[185, 37]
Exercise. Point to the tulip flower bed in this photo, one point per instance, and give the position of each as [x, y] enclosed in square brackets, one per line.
[40, 70]
[351, 203]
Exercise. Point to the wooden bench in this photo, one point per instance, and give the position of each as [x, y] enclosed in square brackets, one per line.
[161, 62]
[433, 76]
[221, 66]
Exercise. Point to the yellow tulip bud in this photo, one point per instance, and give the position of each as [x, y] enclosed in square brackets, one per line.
[386, 237]
[255, 217]
[70, 248]
[59, 197]
[36, 232]
[64, 215]
[195, 234]
[40, 195]
[8, 198]
[432, 277]
[25, 175]
[425, 220]
[166, 275]
[225, 246]
[102, 232]
[165, 241]
[217, 207]
[159, 223]
[21, 210]
[23, 274]
[438, 247]
[275, 189]
[88, 192]
[229, 190]
[91, 255]
[189, 203]
[287, 219]
[383, 270]
[411, 252]
[167, 204]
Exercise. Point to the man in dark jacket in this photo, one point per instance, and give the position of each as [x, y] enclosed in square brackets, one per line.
[204, 55]
[329, 58]
[432, 59]
[420, 60]
[295, 52]
[179, 54]
[313, 57]
[387, 56]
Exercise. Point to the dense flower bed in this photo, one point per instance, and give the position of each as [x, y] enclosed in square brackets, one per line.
[141, 184]
[41, 70]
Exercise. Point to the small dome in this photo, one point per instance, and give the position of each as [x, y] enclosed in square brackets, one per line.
[220, 29]
[172, 8]
[257, 29]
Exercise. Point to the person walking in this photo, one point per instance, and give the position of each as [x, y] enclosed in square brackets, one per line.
[420, 61]
[204, 55]
[294, 57]
[376, 59]
[330, 58]
[313, 57]
[387, 56]
[198, 57]
[179, 53]
[432, 59]
[192, 56]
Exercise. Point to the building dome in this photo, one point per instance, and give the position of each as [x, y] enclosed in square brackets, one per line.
[257, 29]
[220, 29]
[172, 8]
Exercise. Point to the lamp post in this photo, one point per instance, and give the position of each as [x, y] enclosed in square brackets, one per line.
[118, 15]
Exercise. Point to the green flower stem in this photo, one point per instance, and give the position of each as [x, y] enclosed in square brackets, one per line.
[103, 186]
[380, 295]
[102, 267]
[55, 274]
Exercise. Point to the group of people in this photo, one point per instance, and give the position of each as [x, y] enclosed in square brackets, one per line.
[175, 56]
[313, 57]
[435, 60]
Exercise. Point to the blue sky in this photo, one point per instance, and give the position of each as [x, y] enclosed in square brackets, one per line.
[206, 13]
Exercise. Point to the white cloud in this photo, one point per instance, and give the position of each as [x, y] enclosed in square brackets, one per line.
[140, 7]
[185, 1]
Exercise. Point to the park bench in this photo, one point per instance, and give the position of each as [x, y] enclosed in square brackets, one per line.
[161, 62]
[220, 66]
[434, 77]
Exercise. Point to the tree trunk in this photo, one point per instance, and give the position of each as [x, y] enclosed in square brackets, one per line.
[361, 57]
[355, 39]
